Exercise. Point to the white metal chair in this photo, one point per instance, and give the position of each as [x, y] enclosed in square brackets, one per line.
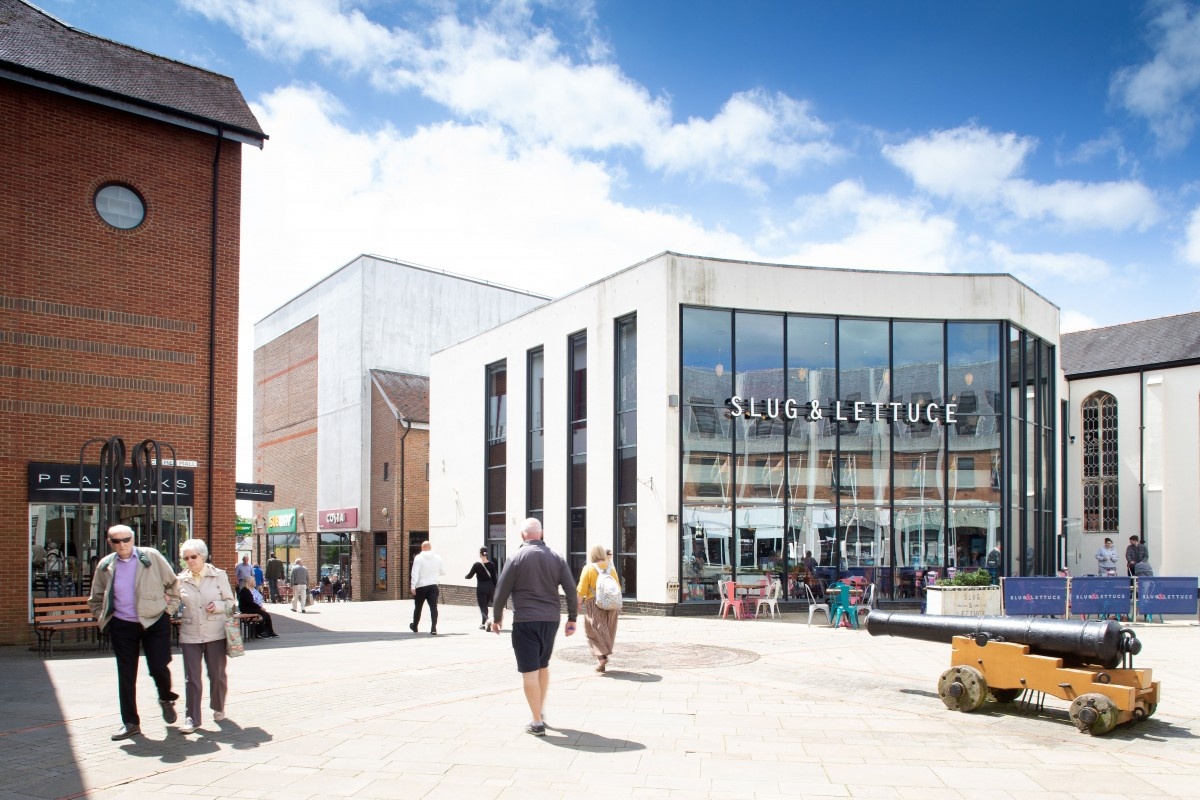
[814, 606]
[867, 604]
[770, 600]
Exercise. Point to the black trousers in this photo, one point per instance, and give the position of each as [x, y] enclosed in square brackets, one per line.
[423, 595]
[485, 592]
[127, 639]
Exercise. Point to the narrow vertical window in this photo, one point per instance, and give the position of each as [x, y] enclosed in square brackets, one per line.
[1101, 511]
[625, 443]
[535, 469]
[577, 451]
[496, 446]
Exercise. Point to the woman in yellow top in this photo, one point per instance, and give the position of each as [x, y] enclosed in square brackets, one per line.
[600, 625]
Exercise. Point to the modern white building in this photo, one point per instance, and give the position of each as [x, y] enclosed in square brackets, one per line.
[1133, 435]
[315, 395]
[708, 418]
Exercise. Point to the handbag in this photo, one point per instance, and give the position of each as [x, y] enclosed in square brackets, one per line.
[234, 646]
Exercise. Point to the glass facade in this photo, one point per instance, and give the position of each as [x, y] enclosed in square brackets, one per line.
[65, 546]
[625, 544]
[496, 445]
[333, 553]
[870, 446]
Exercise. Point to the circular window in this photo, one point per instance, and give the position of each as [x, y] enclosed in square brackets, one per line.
[120, 206]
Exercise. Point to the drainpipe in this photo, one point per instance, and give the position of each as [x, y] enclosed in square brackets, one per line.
[212, 333]
[403, 551]
[1142, 455]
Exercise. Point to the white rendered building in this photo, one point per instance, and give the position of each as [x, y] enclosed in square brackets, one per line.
[1132, 443]
[706, 418]
[315, 394]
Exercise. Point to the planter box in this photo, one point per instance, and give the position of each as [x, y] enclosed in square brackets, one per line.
[963, 601]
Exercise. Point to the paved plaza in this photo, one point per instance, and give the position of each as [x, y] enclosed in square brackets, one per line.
[349, 703]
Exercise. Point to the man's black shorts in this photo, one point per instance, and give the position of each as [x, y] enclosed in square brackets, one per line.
[533, 644]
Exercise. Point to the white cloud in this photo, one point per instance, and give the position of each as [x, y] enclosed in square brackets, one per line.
[1037, 268]
[1070, 321]
[502, 69]
[1164, 91]
[852, 228]
[981, 170]
[1191, 244]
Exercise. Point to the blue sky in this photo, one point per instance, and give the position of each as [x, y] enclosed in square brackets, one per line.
[546, 144]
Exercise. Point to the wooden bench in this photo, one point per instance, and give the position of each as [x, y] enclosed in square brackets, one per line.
[54, 616]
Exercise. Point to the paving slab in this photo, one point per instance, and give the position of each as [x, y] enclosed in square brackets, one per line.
[348, 703]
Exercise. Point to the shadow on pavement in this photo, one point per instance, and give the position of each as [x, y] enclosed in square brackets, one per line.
[568, 737]
[635, 677]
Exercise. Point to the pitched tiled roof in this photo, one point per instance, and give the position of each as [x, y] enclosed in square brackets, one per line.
[408, 394]
[40, 47]
[1134, 345]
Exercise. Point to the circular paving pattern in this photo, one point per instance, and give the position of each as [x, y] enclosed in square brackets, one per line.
[636, 656]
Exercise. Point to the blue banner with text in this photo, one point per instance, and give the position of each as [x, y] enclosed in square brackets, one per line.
[1024, 597]
[1103, 596]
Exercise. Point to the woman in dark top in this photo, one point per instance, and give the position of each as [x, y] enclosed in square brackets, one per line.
[247, 605]
[484, 573]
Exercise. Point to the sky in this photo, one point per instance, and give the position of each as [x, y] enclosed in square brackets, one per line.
[544, 144]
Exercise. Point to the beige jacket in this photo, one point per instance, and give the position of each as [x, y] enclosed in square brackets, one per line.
[156, 586]
[197, 625]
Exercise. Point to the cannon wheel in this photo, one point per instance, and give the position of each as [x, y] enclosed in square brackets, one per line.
[1006, 695]
[962, 688]
[1094, 714]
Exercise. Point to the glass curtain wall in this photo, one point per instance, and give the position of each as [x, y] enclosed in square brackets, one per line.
[873, 448]
[625, 544]
[332, 549]
[577, 457]
[496, 445]
[706, 522]
[535, 471]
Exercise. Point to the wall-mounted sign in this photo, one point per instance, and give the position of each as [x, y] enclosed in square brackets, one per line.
[840, 410]
[281, 520]
[338, 519]
[59, 484]
[262, 492]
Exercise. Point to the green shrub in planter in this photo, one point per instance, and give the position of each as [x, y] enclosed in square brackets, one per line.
[980, 577]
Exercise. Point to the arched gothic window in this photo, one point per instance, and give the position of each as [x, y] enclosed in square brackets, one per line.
[1100, 484]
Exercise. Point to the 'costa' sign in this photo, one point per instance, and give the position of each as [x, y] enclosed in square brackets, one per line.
[336, 519]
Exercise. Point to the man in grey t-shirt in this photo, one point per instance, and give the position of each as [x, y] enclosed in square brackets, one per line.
[299, 581]
[533, 577]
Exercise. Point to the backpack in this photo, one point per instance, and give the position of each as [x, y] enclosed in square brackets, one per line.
[608, 591]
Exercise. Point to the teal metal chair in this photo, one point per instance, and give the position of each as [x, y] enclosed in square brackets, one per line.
[839, 604]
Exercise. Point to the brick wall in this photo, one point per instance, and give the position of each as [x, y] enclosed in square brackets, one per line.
[407, 456]
[285, 431]
[106, 332]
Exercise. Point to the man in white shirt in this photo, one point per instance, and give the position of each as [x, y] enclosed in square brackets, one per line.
[426, 570]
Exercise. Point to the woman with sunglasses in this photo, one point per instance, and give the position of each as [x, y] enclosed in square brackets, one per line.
[207, 598]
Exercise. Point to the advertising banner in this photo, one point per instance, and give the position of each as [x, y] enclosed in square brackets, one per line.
[1101, 596]
[1026, 597]
[1166, 595]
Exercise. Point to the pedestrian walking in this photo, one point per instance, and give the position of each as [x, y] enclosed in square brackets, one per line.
[299, 581]
[134, 594]
[274, 575]
[484, 573]
[423, 581]
[599, 624]
[207, 600]
[533, 578]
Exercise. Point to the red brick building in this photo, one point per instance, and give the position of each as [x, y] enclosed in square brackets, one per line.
[119, 249]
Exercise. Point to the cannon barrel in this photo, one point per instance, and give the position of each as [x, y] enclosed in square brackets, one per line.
[1102, 642]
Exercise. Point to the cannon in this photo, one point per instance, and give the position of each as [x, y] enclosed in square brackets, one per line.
[1088, 663]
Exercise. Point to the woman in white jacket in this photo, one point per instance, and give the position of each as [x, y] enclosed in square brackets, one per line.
[207, 598]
